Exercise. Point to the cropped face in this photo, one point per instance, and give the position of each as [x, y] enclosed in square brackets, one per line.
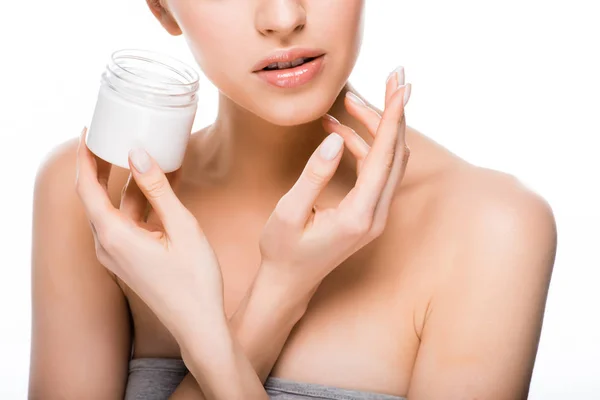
[283, 60]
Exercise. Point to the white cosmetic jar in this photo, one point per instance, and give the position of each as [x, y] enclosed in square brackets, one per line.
[146, 100]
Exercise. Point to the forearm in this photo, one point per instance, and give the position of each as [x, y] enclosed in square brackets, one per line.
[265, 319]
[260, 326]
[217, 363]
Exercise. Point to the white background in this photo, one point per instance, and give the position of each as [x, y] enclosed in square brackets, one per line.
[512, 85]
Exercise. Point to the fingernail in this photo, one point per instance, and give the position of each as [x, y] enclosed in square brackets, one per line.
[406, 92]
[140, 160]
[355, 98]
[399, 75]
[331, 119]
[331, 146]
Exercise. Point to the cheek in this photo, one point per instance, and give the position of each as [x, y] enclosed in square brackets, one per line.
[344, 29]
[215, 37]
[217, 52]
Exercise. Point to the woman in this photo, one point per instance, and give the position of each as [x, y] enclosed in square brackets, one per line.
[423, 280]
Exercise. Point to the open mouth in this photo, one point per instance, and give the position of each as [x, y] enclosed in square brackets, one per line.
[288, 65]
[293, 71]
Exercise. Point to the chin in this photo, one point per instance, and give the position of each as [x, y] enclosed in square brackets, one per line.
[293, 110]
[293, 114]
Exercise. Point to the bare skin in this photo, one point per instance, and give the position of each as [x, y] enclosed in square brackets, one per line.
[365, 325]
[446, 303]
[226, 221]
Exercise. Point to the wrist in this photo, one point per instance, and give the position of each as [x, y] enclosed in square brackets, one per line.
[208, 348]
[279, 287]
[212, 359]
[199, 330]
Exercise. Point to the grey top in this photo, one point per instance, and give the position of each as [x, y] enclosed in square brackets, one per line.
[157, 378]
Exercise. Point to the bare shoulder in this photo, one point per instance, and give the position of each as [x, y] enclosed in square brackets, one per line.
[54, 189]
[482, 216]
[59, 161]
[461, 210]
[78, 310]
[487, 205]
[58, 213]
[55, 178]
[485, 252]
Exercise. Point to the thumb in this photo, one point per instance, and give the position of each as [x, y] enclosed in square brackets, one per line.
[297, 204]
[153, 183]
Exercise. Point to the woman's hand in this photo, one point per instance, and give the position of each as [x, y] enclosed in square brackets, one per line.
[306, 243]
[171, 267]
[168, 266]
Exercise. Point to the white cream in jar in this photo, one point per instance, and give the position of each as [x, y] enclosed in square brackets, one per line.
[145, 100]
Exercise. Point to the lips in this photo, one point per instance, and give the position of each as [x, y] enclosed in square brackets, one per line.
[291, 78]
[284, 59]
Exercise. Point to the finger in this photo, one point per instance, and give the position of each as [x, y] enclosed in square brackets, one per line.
[378, 163]
[367, 115]
[156, 188]
[395, 79]
[396, 175]
[133, 202]
[356, 144]
[296, 206]
[94, 197]
[135, 205]
[362, 112]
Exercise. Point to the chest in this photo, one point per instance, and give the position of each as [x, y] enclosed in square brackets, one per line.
[359, 326]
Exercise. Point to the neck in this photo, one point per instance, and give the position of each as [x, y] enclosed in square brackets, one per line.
[255, 155]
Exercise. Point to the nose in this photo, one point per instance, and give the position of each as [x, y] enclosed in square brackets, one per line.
[280, 18]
